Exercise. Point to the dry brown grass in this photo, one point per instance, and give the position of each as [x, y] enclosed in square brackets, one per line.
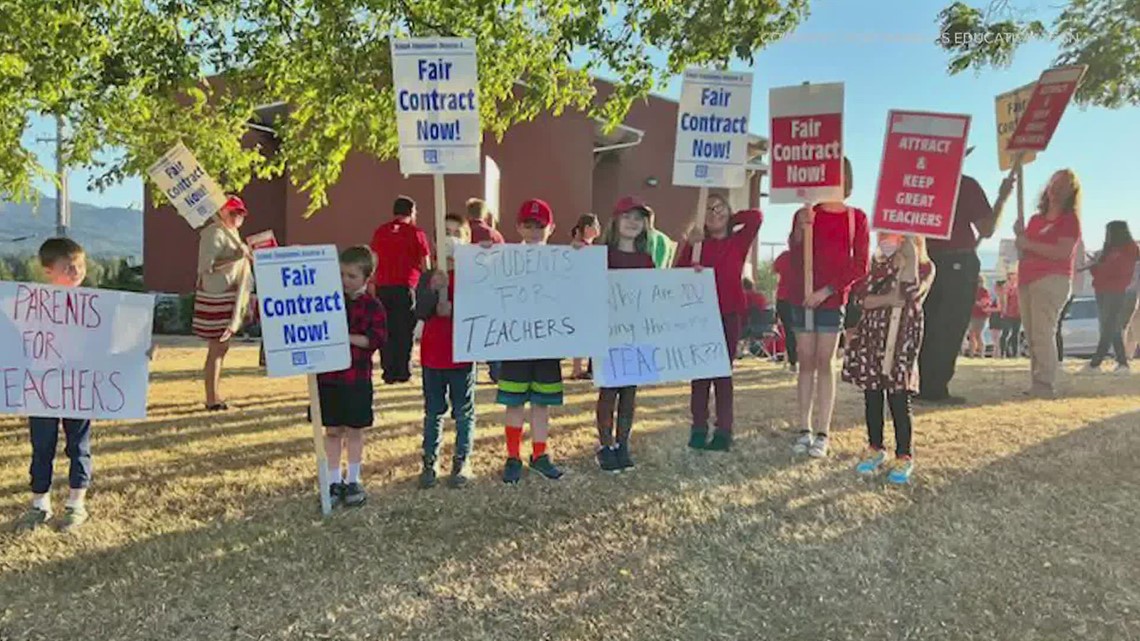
[1022, 524]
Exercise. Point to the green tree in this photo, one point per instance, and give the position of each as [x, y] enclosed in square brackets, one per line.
[1103, 34]
[129, 75]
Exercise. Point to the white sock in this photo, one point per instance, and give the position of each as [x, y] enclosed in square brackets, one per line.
[334, 476]
[354, 472]
[42, 502]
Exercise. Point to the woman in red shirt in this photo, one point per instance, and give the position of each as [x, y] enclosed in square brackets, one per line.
[1112, 274]
[1047, 244]
[841, 243]
[725, 241]
[1011, 319]
[976, 346]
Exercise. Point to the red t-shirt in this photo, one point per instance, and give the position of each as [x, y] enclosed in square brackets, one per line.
[972, 207]
[727, 257]
[617, 259]
[981, 303]
[436, 349]
[1113, 274]
[841, 255]
[482, 232]
[1012, 307]
[1033, 266]
[400, 249]
[756, 300]
[783, 268]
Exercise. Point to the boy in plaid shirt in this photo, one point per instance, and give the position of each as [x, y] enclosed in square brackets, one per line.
[346, 396]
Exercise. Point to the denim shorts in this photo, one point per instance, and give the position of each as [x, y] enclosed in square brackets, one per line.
[827, 321]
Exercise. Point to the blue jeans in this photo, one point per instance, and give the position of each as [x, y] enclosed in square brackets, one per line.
[45, 438]
[440, 387]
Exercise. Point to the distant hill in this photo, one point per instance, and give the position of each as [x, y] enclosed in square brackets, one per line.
[103, 231]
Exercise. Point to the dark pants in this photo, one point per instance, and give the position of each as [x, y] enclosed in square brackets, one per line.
[458, 387]
[947, 310]
[1057, 337]
[784, 313]
[1011, 338]
[397, 353]
[1114, 310]
[494, 367]
[625, 400]
[45, 437]
[899, 403]
[701, 389]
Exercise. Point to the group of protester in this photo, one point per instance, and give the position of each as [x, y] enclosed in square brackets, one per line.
[902, 309]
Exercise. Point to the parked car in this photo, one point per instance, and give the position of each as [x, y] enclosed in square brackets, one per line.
[1080, 328]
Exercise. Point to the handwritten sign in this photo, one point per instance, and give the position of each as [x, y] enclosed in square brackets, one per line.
[74, 352]
[807, 143]
[922, 166]
[1009, 106]
[712, 129]
[436, 86]
[664, 326]
[304, 326]
[1052, 93]
[516, 302]
[187, 186]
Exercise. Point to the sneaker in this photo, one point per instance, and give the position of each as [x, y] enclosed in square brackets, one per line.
[336, 493]
[73, 518]
[1091, 368]
[546, 467]
[818, 446]
[794, 368]
[33, 518]
[607, 459]
[460, 474]
[872, 463]
[698, 437]
[512, 471]
[901, 472]
[721, 442]
[1123, 369]
[803, 443]
[624, 461]
[428, 476]
[354, 495]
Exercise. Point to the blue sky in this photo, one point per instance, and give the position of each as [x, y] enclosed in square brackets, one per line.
[883, 51]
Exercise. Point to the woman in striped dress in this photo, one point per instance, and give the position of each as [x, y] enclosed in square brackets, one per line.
[221, 299]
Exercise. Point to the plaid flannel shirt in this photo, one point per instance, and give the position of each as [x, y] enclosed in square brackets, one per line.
[366, 317]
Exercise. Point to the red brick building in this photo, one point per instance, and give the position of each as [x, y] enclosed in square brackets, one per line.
[567, 160]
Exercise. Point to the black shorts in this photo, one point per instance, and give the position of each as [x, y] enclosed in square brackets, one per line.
[996, 322]
[346, 405]
[538, 382]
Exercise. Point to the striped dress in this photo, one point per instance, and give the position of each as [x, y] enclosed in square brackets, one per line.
[222, 296]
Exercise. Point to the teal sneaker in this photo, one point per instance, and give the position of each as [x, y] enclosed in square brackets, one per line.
[546, 467]
[901, 472]
[872, 463]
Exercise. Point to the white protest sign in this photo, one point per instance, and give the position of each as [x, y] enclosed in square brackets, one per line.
[664, 326]
[74, 352]
[517, 302]
[712, 129]
[187, 185]
[304, 327]
[807, 143]
[436, 85]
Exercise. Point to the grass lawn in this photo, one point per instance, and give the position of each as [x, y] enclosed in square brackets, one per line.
[1022, 523]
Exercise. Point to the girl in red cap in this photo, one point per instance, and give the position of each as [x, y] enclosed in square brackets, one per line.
[221, 298]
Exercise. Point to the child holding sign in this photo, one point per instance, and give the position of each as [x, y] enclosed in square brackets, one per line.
[444, 379]
[628, 242]
[346, 396]
[726, 240]
[534, 381]
[882, 357]
[840, 257]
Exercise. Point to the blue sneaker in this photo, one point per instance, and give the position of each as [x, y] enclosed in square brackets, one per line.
[900, 474]
[871, 464]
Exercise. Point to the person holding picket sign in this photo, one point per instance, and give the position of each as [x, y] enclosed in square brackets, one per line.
[585, 232]
[724, 241]
[628, 240]
[882, 357]
[840, 257]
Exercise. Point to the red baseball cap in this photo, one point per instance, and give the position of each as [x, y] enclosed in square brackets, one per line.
[236, 205]
[536, 210]
[630, 203]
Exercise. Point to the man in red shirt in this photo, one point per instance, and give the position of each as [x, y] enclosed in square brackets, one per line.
[402, 252]
[482, 223]
[951, 299]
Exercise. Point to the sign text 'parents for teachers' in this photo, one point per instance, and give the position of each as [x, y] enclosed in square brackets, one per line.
[187, 186]
[920, 174]
[664, 327]
[436, 85]
[712, 129]
[515, 302]
[807, 143]
[304, 325]
[73, 352]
